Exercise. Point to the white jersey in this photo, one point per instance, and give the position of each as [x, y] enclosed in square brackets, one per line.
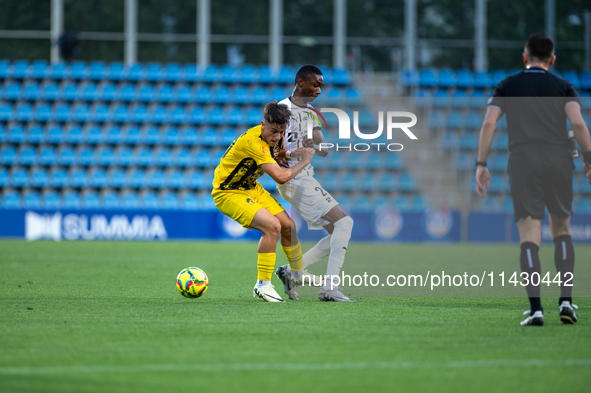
[302, 117]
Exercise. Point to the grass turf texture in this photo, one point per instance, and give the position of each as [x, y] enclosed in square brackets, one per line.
[106, 317]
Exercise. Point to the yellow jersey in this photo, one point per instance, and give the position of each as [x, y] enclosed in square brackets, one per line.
[240, 166]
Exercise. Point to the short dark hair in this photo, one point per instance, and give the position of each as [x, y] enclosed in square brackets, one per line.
[307, 71]
[540, 46]
[276, 113]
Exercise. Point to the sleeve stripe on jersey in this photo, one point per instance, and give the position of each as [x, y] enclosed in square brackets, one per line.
[318, 120]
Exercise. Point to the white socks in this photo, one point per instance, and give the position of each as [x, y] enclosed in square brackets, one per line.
[316, 253]
[261, 283]
[339, 241]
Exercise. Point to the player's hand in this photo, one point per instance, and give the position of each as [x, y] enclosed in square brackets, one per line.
[307, 142]
[307, 154]
[296, 153]
[482, 181]
[282, 162]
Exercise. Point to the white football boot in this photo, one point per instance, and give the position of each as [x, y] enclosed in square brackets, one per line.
[267, 293]
[333, 296]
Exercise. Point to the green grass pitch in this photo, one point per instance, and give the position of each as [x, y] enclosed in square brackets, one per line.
[106, 317]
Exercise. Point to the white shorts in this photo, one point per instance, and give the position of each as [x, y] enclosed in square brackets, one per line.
[307, 196]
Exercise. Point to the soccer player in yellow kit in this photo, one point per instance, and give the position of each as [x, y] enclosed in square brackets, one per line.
[238, 195]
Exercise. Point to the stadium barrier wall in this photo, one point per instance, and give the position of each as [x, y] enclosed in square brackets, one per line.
[381, 225]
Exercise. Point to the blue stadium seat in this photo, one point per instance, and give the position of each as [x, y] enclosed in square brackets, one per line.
[474, 119]
[508, 205]
[27, 155]
[586, 80]
[77, 177]
[77, 70]
[170, 136]
[107, 91]
[423, 98]
[74, 133]
[150, 135]
[401, 203]
[149, 200]
[499, 162]
[104, 155]
[286, 75]
[66, 155]
[182, 157]
[4, 180]
[362, 203]
[427, 78]
[468, 141]
[139, 113]
[454, 120]
[135, 72]
[175, 178]
[85, 155]
[266, 75]
[115, 71]
[12, 91]
[97, 70]
[87, 92]
[144, 93]
[4, 69]
[143, 156]
[419, 204]
[393, 161]
[110, 200]
[120, 113]
[156, 178]
[183, 93]
[189, 201]
[71, 200]
[464, 79]
[58, 177]
[126, 92]
[172, 72]
[229, 74]
[450, 140]
[583, 205]
[20, 69]
[497, 184]
[50, 200]
[31, 91]
[35, 134]
[247, 74]
[573, 78]
[39, 69]
[11, 200]
[154, 72]
[192, 73]
[164, 93]
[80, 112]
[136, 178]
[410, 78]
[90, 200]
[19, 177]
[407, 183]
[162, 156]
[584, 186]
[15, 134]
[176, 114]
[459, 99]
[441, 99]
[189, 136]
[157, 114]
[93, 134]
[24, 112]
[130, 200]
[57, 71]
[39, 177]
[170, 201]
[498, 76]
[446, 78]
[47, 155]
[477, 99]
[464, 162]
[113, 134]
[68, 92]
[195, 180]
[8, 155]
[6, 112]
[49, 91]
[61, 112]
[116, 177]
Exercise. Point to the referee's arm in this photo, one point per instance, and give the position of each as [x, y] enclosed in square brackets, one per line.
[493, 113]
[573, 111]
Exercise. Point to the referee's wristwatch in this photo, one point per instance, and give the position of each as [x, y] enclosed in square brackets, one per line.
[480, 163]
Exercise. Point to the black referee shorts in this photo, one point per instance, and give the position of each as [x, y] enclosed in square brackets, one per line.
[541, 175]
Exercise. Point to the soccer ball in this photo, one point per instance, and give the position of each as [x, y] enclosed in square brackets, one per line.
[192, 282]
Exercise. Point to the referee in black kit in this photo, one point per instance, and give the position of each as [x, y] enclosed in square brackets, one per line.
[540, 164]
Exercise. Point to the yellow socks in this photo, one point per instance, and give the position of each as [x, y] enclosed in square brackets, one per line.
[294, 256]
[265, 266]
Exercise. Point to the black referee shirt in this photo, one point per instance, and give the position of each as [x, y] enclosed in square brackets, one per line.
[540, 118]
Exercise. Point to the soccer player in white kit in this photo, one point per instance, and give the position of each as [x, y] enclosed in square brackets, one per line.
[314, 204]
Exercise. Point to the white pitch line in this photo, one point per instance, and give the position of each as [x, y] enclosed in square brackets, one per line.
[44, 370]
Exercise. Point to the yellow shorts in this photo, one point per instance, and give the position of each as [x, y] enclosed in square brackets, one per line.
[241, 206]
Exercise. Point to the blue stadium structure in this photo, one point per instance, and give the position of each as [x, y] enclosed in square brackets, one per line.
[103, 135]
[455, 102]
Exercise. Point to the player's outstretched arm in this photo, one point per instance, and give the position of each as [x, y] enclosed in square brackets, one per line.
[283, 175]
[493, 113]
[573, 111]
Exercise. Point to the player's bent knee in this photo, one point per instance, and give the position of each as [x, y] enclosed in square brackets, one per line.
[345, 223]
